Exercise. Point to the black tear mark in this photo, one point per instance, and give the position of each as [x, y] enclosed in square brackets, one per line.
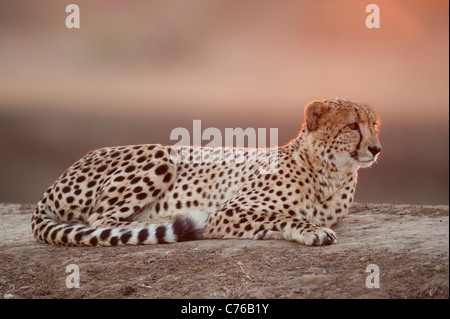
[354, 154]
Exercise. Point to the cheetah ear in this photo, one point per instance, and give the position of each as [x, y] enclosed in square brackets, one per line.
[313, 112]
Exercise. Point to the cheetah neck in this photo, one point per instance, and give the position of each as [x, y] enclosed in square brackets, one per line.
[328, 177]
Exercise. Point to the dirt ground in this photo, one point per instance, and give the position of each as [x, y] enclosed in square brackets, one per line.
[408, 244]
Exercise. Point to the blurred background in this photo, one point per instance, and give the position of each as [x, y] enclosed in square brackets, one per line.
[135, 70]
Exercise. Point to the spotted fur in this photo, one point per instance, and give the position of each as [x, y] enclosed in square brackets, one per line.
[152, 194]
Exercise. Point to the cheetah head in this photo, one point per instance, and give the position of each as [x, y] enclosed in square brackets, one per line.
[342, 132]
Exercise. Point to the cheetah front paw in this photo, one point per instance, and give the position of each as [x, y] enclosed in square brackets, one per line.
[319, 236]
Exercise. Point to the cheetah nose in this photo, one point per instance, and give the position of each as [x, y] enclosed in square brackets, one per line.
[374, 149]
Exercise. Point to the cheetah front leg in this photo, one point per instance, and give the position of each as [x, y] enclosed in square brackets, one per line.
[254, 223]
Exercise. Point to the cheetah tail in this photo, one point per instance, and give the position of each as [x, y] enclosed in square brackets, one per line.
[191, 226]
[183, 228]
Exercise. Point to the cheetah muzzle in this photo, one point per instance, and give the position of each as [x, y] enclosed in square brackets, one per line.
[141, 194]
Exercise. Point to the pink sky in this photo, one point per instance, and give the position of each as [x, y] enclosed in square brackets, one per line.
[225, 57]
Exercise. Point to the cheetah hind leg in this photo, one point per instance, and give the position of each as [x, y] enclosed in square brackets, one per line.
[124, 217]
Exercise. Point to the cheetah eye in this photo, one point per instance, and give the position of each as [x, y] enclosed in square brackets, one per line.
[353, 126]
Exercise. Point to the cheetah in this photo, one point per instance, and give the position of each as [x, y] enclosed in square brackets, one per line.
[143, 194]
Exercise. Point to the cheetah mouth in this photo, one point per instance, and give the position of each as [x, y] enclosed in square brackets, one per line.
[364, 161]
[360, 160]
[367, 161]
